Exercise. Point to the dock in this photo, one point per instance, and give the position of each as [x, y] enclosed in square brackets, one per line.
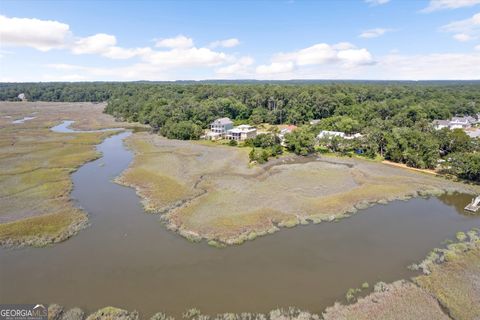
[474, 205]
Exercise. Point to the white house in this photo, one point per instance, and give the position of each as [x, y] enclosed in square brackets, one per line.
[455, 123]
[330, 134]
[219, 128]
[241, 133]
[343, 135]
[221, 125]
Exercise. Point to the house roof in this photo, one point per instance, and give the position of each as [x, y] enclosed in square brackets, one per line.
[242, 128]
[442, 122]
[222, 121]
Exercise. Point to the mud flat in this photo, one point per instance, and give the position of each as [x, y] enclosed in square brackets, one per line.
[209, 192]
[35, 168]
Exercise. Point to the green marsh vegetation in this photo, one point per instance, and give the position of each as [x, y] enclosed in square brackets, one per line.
[208, 191]
[36, 165]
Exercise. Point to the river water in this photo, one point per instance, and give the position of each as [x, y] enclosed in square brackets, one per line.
[128, 259]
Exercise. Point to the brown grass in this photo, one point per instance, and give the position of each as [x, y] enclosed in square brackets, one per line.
[456, 284]
[401, 300]
[208, 190]
[35, 168]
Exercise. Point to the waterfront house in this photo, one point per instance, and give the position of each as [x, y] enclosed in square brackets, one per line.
[219, 128]
[241, 133]
[221, 125]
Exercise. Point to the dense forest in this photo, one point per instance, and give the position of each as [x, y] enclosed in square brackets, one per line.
[395, 118]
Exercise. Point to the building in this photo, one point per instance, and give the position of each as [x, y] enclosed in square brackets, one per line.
[440, 124]
[221, 125]
[315, 121]
[219, 128]
[241, 133]
[455, 123]
[330, 134]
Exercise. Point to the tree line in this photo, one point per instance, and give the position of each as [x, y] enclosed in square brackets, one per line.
[394, 118]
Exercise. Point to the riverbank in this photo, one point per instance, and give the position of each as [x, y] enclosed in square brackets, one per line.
[36, 165]
[207, 192]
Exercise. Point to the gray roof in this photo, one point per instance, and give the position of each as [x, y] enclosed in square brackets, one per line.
[442, 122]
[467, 119]
[222, 121]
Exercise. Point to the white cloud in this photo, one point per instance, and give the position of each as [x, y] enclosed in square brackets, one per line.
[377, 2]
[179, 42]
[465, 30]
[394, 66]
[374, 33]
[275, 68]
[98, 44]
[186, 57]
[228, 43]
[462, 37]
[477, 47]
[344, 54]
[239, 67]
[436, 5]
[104, 44]
[436, 66]
[42, 35]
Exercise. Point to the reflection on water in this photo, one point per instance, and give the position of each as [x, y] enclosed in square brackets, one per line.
[19, 121]
[128, 259]
[64, 127]
[458, 201]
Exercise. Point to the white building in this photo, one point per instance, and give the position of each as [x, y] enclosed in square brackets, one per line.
[219, 128]
[330, 134]
[455, 123]
[241, 133]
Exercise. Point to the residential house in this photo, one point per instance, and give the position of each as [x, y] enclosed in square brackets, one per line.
[241, 133]
[455, 123]
[330, 134]
[219, 128]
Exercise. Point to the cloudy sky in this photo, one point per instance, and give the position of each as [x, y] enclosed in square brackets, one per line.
[282, 39]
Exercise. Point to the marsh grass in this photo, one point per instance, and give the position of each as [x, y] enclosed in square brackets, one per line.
[35, 168]
[451, 275]
[206, 190]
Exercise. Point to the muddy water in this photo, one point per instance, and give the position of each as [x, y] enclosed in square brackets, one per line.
[128, 259]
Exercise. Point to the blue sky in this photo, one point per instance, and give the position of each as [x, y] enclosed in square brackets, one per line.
[291, 39]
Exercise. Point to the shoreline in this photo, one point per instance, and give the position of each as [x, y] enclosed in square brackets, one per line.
[413, 298]
[168, 213]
